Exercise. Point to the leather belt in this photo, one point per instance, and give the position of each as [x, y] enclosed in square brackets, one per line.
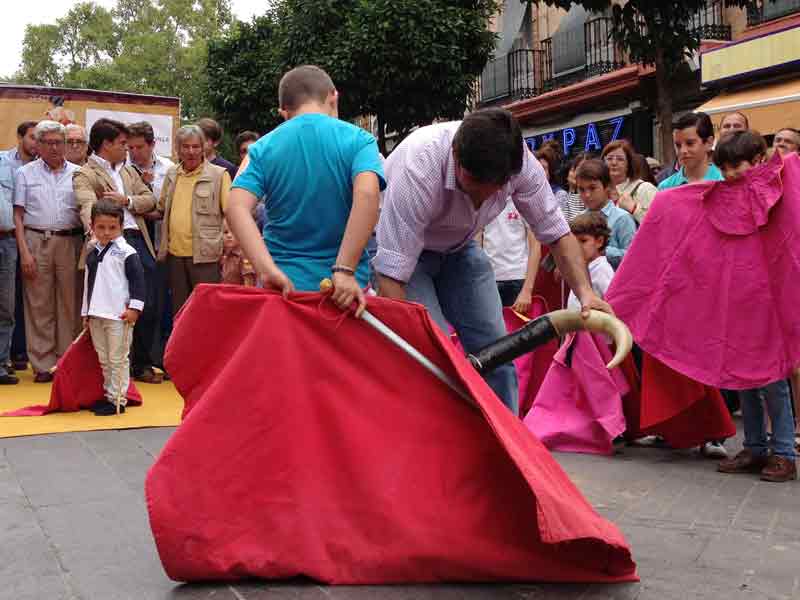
[59, 232]
[6, 234]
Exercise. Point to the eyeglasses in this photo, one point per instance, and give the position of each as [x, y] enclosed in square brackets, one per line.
[76, 143]
[613, 158]
[52, 143]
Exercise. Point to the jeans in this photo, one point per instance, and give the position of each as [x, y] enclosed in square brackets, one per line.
[19, 344]
[8, 268]
[509, 290]
[778, 400]
[459, 288]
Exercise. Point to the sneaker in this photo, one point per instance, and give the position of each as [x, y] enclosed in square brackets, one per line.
[106, 409]
[779, 469]
[713, 450]
[648, 441]
[744, 462]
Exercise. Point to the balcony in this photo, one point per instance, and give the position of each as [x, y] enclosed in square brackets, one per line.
[710, 24]
[517, 75]
[763, 11]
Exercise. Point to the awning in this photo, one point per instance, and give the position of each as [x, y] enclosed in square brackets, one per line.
[769, 108]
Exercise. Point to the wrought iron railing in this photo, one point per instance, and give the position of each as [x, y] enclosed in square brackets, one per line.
[602, 53]
[762, 11]
[709, 22]
[518, 74]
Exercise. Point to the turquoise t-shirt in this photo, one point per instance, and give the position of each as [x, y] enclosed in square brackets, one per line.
[304, 170]
[677, 179]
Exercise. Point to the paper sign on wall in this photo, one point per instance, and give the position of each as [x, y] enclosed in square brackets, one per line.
[162, 125]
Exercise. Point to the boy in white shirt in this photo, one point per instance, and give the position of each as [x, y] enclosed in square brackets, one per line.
[591, 229]
[113, 299]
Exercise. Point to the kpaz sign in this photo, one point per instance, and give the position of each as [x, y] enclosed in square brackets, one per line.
[586, 138]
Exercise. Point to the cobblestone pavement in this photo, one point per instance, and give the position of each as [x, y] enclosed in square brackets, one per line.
[73, 525]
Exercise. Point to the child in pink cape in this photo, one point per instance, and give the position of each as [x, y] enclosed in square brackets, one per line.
[579, 405]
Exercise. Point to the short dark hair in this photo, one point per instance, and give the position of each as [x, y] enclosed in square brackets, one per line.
[303, 84]
[25, 126]
[579, 158]
[699, 120]
[489, 145]
[105, 130]
[107, 208]
[594, 169]
[245, 136]
[593, 223]
[739, 146]
[211, 129]
[629, 152]
[142, 129]
[736, 112]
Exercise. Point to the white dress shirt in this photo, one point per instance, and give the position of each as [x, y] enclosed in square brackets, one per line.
[116, 176]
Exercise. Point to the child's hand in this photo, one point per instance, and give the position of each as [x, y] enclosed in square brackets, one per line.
[130, 316]
[85, 321]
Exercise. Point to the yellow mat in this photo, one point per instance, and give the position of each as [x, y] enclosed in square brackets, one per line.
[161, 407]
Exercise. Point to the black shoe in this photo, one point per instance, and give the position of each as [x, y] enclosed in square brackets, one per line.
[107, 409]
[10, 368]
[9, 380]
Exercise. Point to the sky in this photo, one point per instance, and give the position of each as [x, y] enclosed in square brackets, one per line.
[16, 14]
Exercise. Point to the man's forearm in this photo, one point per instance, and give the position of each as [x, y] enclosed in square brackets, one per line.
[362, 220]
[240, 220]
[569, 260]
[391, 288]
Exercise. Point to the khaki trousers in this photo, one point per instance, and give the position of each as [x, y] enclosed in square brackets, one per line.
[51, 309]
[184, 275]
[112, 342]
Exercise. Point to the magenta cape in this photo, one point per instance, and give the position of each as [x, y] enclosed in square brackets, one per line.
[78, 383]
[711, 284]
[312, 446]
[579, 405]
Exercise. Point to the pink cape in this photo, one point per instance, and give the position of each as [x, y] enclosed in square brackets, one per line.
[579, 406]
[711, 284]
[78, 383]
[312, 446]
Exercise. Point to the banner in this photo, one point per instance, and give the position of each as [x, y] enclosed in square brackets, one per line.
[162, 125]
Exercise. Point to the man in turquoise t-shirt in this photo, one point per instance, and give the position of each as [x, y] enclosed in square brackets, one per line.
[321, 179]
[693, 135]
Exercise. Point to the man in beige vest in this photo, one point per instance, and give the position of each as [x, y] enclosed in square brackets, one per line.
[106, 175]
[193, 202]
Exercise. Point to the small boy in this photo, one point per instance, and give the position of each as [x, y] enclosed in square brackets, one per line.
[773, 459]
[591, 229]
[113, 299]
[594, 186]
[236, 269]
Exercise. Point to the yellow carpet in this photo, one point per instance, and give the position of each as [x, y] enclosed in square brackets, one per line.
[161, 407]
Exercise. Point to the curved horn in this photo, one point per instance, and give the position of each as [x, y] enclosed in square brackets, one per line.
[567, 321]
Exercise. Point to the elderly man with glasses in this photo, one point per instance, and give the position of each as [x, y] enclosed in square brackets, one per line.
[77, 146]
[49, 236]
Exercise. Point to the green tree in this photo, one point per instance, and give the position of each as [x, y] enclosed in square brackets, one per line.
[661, 34]
[408, 62]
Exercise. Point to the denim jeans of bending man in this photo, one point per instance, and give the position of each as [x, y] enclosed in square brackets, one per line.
[8, 267]
[778, 400]
[459, 288]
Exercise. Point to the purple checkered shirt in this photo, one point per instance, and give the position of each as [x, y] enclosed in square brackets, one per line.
[423, 209]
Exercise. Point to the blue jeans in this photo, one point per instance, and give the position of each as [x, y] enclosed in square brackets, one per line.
[459, 288]
[778, 400]
[8, 274]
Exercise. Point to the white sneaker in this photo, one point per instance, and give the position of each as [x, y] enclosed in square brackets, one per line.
[713, 450]
[648, 441]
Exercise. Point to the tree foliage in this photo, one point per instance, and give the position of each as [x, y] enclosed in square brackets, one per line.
[408, 62]
[144, 46]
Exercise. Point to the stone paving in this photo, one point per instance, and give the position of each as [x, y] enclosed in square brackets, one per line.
[73, 525]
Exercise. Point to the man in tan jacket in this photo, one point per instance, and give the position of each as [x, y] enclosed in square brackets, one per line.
[106, 175]
[193, 202]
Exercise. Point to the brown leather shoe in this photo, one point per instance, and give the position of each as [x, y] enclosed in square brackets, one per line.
[148, 375]
[43, 377]
[779, 469]
[744, 462]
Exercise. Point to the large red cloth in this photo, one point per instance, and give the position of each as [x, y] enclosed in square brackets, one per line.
[313, 446]
[711, 284]
[78, 383]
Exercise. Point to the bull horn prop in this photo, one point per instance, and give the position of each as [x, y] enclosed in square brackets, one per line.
[548, 327]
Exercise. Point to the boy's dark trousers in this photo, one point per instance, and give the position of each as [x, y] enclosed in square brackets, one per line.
[144, 332]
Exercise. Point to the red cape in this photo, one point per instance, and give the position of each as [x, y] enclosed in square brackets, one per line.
[78, 383]
[710, 285]
[312, 446]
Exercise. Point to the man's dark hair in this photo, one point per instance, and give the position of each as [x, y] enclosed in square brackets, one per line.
[245, 136]
[593, 223]
[303, 84]
[594, 169]
[211, 129]
[26, 126]
[105, 130]
[142, 129]
[739, 146]
[699, 120]
[489, 145]
[107, 208]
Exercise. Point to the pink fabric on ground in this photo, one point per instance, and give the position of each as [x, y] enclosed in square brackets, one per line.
[710, 285]
[579, 406]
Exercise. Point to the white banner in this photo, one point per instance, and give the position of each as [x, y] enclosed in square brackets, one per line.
[162, 125]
